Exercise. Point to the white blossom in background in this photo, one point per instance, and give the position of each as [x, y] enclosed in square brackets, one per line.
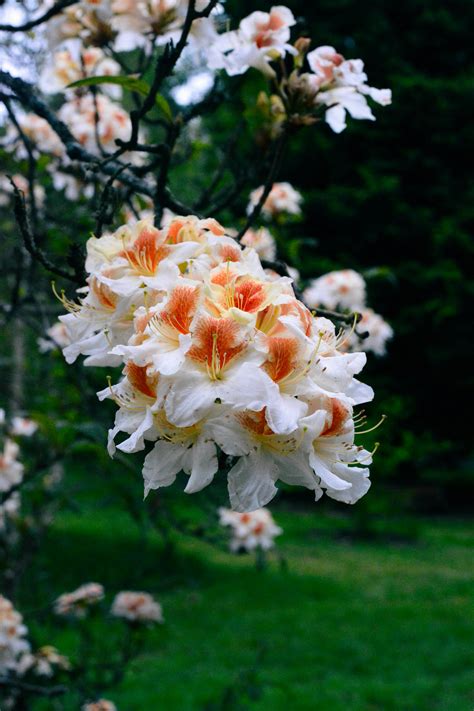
[87, 21]
[40, 133]
[78, 602]
[74, 63]
[252, 530]
[341, 85]
[261, 38]
[46, 661]
[74, 188]
[379, 333]
[11, 470]
[282, 199]
[79, 115]
[2, 416]
[216, 355]
[6, 190]
[56, 338]
[344, 289]
[100, 705]
[136, 607]
[23, 427]
[9, 511]
[13, 633]
[262, 241]
[142, 23]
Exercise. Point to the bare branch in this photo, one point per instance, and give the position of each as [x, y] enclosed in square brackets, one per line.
[54, 10]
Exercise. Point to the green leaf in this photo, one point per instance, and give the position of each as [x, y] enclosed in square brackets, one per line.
[130, 83]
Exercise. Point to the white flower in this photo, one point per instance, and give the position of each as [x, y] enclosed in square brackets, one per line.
[216, 353]
[283, 198]
[11, 470]
[44, 662]
[137, 607]
[262, 241]
[40, 133]
[100, 705]
[261, 38]
[9, 510]
[344, 289]
[57, 338]
[12, 637]
[340, 84]
[23, 427]
[78, 602]
[255, 529]
[6, 190]
[76, 62]
[379, 333]
[79, 115]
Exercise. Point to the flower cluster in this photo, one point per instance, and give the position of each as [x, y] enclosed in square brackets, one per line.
[252, 530]
[261, 38]
[262, 241]
[128, 24]
[56, 337]
[13, 642]
[75, 62]
[96, 122]
[137, 607]
[78, 602]
[11, 470]
[283, 199]
[6, 190]
[44, 662]
[218, 356]
[346, 289]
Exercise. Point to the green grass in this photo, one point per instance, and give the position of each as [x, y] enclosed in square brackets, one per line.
[346, 626]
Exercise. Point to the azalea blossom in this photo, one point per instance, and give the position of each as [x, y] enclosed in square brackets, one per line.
[261, 38]
[44, 662]
[87, 20]
[262, 241]
[216, 356]
[378, 330]
[344, 289]
[136, 607]
[79, 114]
[255, 529]
[78, 602]
[13, 643]
[76, 62]
[341, 85]
[100, 705]
[6, 190]
[43, 138]
[56, 338]
[11, 470]
[283, 199]
[142, 23]
[9, 511]
[23, 426]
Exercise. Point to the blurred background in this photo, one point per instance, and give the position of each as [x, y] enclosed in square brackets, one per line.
[366, 608]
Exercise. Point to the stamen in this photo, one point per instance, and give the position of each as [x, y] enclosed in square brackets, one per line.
[371, 429]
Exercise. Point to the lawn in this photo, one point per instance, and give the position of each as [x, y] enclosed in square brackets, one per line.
[342, 625]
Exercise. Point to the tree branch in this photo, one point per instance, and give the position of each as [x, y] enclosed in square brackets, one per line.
[54, 10]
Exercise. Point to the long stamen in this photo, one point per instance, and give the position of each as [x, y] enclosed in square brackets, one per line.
[371, 429]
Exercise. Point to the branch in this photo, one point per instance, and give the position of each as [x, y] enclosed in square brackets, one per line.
[54, 10]
[30, 241]
[25, 94]
[32, 688]
[273, 172]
